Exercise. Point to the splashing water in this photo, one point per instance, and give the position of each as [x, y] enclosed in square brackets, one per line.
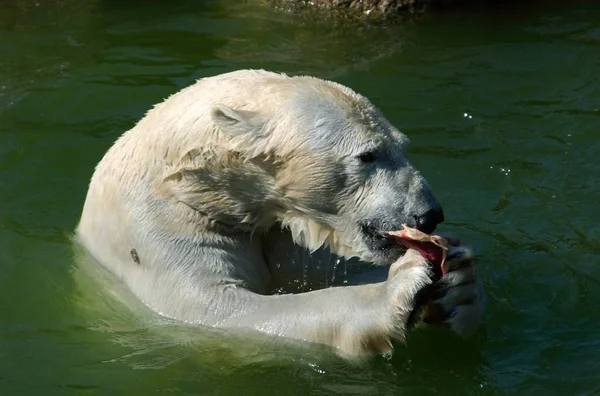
[305, 260]
[335, 267]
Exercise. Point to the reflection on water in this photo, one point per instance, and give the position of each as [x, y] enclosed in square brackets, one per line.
[516, 176]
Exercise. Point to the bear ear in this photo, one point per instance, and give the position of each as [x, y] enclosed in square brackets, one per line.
[245, 130]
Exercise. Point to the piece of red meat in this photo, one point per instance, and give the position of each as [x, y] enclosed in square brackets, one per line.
[433, 247]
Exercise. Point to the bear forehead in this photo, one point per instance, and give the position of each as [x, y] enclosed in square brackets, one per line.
[335, 113]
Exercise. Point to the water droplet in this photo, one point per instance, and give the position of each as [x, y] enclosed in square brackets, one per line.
[316, 368]
[305, 259]
[335, 266]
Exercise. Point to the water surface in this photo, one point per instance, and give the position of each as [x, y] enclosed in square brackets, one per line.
[503, 109]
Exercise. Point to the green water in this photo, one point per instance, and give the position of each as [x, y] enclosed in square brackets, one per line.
[503, 109]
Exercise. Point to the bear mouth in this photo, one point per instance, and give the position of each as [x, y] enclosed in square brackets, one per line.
[383, 247]
[377, 235]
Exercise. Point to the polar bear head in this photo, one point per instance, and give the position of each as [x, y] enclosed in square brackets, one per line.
[321, 160]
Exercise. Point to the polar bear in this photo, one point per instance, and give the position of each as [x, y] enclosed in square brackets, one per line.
[201, 205]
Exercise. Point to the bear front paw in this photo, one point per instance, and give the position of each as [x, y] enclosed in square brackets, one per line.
[408, 284]
[459, 295]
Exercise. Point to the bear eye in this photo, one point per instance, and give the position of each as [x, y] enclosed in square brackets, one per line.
[367, 157]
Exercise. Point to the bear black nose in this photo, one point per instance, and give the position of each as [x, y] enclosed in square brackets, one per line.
[426, 223]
